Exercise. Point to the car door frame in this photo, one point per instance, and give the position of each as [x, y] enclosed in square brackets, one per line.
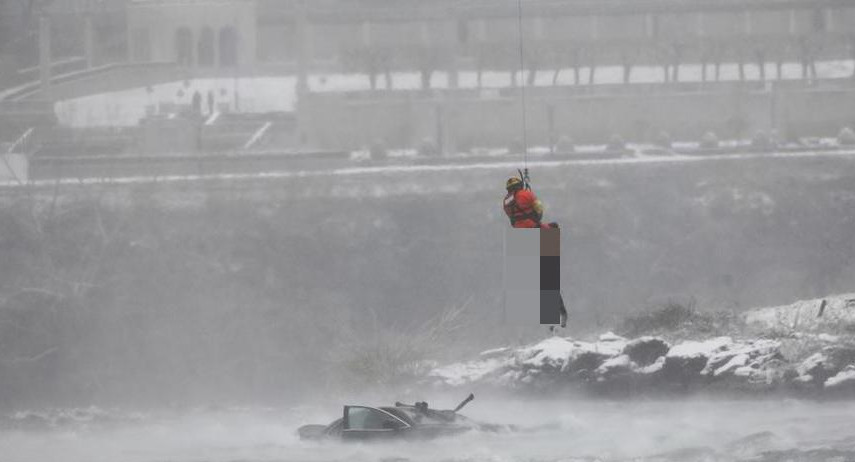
[369, 434]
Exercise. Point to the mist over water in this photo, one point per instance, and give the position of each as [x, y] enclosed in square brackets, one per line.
[560, 429]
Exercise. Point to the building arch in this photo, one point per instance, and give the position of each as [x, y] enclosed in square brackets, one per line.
[184, 46]
[205, 55]
[228, 47]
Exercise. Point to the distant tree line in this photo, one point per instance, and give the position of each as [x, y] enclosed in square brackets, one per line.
[670, 54]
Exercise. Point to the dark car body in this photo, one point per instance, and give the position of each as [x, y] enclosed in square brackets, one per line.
[365, 423]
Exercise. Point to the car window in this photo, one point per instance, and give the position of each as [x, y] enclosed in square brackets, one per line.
[366, 418]
[400, 413]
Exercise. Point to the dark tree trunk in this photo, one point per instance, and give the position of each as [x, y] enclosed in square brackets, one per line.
[627, 66]
[425, 75]
[677, 59]
[389, 83]
[480, 67]
[760, 55]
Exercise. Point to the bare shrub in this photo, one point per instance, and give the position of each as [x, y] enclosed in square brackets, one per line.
[679, 319]
[381, 355]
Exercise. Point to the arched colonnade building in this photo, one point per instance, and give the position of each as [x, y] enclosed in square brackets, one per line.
[193, 33]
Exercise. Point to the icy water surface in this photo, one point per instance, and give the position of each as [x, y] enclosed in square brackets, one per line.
[558, 431]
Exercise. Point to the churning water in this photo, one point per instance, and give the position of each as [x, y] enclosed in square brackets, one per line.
[555, 430]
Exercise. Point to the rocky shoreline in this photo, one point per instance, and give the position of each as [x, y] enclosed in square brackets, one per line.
[808, 361]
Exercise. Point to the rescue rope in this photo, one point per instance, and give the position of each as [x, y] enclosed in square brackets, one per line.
[522, 91]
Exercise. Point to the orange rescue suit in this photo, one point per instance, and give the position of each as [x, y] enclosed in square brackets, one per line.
[523, 209]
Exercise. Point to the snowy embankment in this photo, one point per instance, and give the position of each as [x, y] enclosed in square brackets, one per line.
[817, 360]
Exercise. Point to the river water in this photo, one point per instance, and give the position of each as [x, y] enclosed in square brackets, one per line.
[558, 430]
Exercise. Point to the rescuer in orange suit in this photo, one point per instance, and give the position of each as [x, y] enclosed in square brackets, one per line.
[523, 208]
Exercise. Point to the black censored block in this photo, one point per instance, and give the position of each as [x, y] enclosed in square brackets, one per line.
[550, 273]
[550, 307]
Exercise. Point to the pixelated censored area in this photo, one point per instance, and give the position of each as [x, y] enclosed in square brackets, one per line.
[550, 307]
[550, 273]
[532, 276]
[550, 242]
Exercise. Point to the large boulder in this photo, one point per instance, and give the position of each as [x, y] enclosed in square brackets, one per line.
[645, 351]
[685, 361]
[649, 365]
[843, 380]
[818, 368]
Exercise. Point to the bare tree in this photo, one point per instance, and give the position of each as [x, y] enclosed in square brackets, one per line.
[576, 64]
[760, 59]
[663, 52]
[677, 49]
[807, 57]
[371, 61]
[629, 54]
[429, 60]
[740, 62]
[591, 53]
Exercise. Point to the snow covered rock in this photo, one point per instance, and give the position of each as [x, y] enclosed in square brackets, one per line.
[645, 351]
[685, 361]
[819, 367]
[615, 365]
[845, 379]
[745, 359]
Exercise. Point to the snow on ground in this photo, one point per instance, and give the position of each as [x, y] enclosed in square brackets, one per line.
[816, 315]
[269, 94]
[458, 374]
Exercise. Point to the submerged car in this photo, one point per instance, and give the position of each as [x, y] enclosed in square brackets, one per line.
[401, 421]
